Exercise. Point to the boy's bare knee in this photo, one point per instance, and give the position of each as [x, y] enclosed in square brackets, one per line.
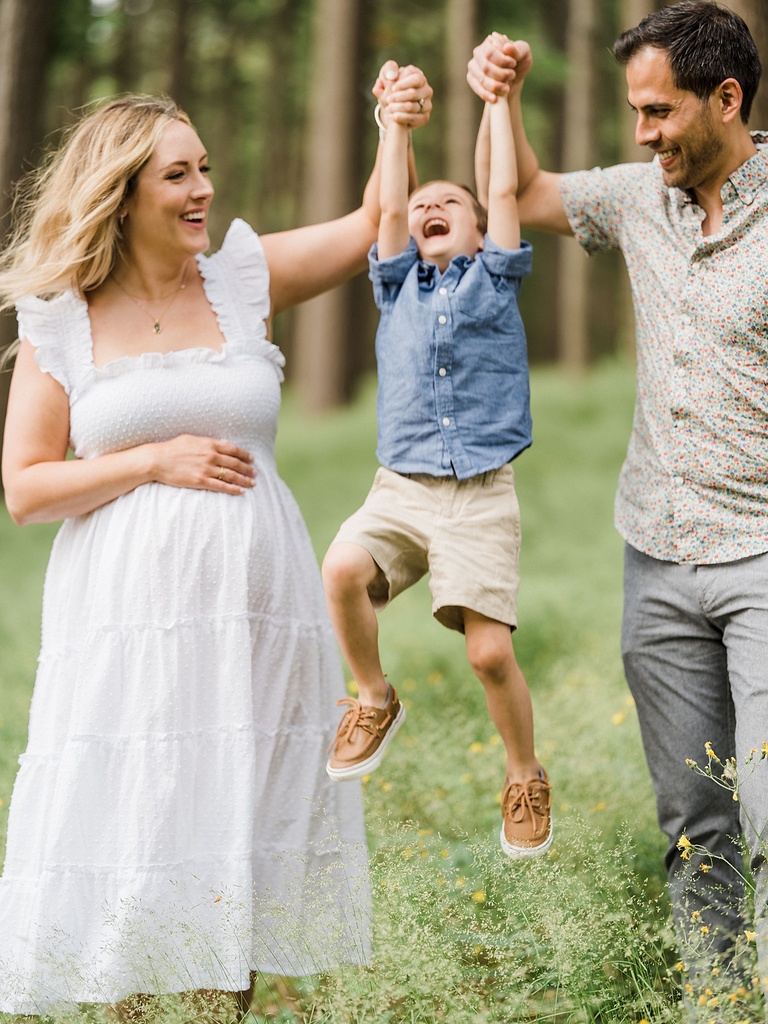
[346, 567]
[491, 658]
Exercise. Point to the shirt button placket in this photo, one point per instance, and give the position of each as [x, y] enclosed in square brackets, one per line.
[444, 392]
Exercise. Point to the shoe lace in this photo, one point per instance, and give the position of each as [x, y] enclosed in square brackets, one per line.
[358, 717]
[521, 799]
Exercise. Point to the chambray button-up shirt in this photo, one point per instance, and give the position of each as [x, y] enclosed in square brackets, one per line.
[453, 396]
[694, 486]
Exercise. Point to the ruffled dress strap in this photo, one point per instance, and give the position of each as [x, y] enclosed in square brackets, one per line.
[237, 284]
[60, 331]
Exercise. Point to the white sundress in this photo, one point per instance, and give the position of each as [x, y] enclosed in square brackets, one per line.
[172, 826]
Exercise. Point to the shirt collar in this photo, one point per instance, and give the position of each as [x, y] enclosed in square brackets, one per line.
[752, 176]
[428, 274]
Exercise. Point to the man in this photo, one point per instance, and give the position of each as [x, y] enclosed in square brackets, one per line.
[692, 502]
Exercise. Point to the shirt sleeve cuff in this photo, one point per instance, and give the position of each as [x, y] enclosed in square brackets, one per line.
[507, 262]
[393, 269]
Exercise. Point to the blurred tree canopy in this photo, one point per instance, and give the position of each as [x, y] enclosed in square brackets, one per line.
[252, 74]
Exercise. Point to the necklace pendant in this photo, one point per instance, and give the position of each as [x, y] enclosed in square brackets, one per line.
[156, 327]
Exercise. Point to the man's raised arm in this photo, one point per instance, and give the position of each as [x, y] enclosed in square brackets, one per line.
[498, 63]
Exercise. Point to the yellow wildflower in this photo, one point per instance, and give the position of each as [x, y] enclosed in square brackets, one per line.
[750, 936]
[685, 846]
[476, 747]
[704, 930]
[478, 897]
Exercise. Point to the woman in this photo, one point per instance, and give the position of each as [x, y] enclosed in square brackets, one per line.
[171, 828]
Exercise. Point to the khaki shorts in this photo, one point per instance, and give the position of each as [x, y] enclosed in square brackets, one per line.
[464, 533]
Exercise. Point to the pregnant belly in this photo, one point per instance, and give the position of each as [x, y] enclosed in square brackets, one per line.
[162, 554]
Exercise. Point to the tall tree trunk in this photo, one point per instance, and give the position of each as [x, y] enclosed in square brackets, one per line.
[178, 78]
[631, 13]
[322, 325]
[755, 14]
[127, 63]
[24, 48]
[578, 145]
[462, 108]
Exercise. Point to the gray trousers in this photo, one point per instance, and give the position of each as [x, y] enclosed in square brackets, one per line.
[695, 650]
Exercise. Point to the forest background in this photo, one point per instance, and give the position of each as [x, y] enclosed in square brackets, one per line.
[280, 93]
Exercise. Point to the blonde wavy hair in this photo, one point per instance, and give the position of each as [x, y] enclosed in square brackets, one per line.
[67, 232]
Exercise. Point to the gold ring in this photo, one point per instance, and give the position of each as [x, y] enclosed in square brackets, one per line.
[220, 475]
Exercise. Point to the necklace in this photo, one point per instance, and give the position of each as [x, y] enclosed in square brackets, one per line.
[156, 325]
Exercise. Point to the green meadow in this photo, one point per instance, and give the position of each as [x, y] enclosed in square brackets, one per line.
[463, 934]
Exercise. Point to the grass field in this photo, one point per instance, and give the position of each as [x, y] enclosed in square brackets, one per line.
[463, 935]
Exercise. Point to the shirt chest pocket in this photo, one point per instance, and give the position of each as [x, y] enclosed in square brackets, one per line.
[484, 300]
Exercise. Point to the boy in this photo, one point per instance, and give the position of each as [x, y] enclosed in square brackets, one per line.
[453, 410]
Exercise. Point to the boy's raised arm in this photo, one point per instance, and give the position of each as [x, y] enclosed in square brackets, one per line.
[503, 218]
[393, 224]
[499, 68]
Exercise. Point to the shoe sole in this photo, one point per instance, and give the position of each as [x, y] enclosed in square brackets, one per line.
[526, 852]
[357, 771]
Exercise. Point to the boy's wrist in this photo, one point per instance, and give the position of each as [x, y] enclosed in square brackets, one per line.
[379, 123]
[383, 127]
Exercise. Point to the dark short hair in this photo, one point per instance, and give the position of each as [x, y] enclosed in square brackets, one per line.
[706, 44]
[480, 211]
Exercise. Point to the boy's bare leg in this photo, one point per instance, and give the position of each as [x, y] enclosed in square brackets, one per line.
[492, 657]
[526, 826]
[348, 570]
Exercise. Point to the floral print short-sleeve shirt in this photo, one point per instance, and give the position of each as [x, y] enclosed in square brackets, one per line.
[694, 485]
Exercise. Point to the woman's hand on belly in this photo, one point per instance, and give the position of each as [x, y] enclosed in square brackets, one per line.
[203, 463]
[42, 485]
